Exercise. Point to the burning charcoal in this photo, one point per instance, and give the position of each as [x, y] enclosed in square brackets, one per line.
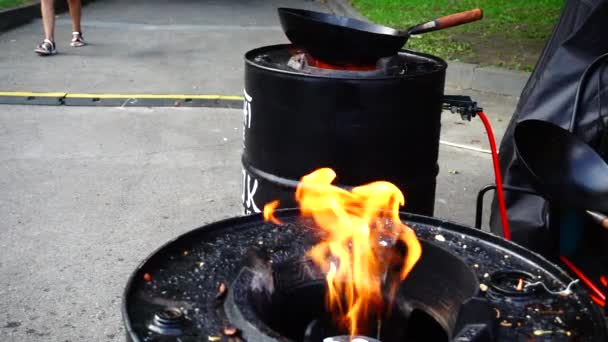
[542, 332]
[221, 291]
[497, 313]
[505, 323]
[520, 284]
[550, 312]
[230, 331]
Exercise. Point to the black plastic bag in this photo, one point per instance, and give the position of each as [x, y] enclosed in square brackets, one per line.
[579, 38]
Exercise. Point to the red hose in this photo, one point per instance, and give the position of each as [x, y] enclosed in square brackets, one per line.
[598, 301]
[583, 277]
[506, 231]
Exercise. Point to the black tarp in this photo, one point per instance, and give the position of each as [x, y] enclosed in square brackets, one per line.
[580, 36]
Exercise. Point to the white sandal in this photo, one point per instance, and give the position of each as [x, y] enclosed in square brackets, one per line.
[77, 40]
[46, 48]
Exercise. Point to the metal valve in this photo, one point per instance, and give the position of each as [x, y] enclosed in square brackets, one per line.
[461, 104]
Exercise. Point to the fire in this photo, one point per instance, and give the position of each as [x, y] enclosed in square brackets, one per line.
[269, 212]
[361, 227]
[520, 284]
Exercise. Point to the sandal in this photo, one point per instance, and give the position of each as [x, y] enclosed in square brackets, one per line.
[77, 40]
[46, 48]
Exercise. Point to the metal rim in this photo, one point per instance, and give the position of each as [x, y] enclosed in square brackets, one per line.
[251, 53]
[345, 22]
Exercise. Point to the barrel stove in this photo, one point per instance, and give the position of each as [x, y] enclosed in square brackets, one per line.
[367, 122]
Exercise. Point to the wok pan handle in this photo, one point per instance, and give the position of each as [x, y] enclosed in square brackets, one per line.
[448, 21]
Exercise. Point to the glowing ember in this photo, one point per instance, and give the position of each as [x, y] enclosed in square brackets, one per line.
[520, 284]
[361, 228]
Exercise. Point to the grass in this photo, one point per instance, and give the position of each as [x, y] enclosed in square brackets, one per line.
[4, 4]
[512, 33]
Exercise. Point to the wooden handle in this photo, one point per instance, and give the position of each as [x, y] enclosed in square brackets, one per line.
[448, 21]
[459, 18]
[599, 218]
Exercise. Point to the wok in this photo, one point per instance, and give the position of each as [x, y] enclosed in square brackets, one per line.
[342, 40]
[562, 166]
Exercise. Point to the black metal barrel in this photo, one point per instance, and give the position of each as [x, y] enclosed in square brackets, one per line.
[365, 126]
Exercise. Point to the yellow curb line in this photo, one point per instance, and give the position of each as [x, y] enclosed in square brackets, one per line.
[123, 96]
[32, 94]
[155, 96]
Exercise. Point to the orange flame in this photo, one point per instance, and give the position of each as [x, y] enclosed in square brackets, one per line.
[269, 212]
[352, 254]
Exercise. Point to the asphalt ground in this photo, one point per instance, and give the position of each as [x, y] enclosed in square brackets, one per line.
[88, 192]
[146, 46]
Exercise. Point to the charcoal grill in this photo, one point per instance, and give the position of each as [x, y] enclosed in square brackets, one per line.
[244, 279]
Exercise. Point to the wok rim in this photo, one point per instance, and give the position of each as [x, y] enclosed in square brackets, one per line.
[569, 139]
[346, 23]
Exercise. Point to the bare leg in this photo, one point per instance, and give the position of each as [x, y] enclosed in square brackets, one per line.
[75, 13]
[47, 7]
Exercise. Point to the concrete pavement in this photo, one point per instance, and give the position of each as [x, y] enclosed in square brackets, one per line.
[88, 192]
[179, 47]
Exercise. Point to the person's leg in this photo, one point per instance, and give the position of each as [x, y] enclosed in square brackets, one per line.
[47, 7]
[75, 13]
[47, 47]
